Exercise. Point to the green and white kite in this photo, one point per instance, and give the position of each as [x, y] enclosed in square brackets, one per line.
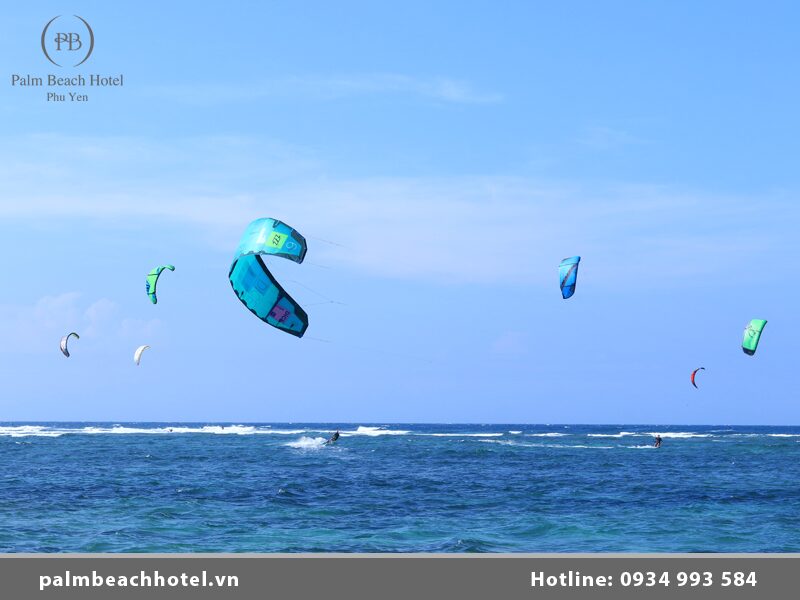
[152, 280]
[752, 334]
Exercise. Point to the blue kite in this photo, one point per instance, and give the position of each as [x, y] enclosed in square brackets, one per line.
[568, 275]
[255, 286]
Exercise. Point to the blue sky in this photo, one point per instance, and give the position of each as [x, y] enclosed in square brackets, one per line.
[441, 158]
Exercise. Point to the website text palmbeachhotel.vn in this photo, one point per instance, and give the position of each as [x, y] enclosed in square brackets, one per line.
[143, 579]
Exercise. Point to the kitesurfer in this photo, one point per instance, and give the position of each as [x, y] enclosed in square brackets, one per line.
[333, 438]
[658, 441]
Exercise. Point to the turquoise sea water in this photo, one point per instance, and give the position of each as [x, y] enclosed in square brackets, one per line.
[139, 487]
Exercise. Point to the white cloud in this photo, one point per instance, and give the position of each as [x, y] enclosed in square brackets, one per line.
[608, 138]
[441, 89]
[98, 316]
[36, 328]
[475, 229]
[139, 329]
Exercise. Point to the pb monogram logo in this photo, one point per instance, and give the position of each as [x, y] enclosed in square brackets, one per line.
[73, 42]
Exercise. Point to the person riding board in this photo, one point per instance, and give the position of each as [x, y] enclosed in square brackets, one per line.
[334, 437]
[658, 441]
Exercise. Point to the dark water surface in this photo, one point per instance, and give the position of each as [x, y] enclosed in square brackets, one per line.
[139, 487]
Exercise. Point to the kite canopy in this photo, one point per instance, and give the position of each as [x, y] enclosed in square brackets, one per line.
[568, 275]
[64, 341]
[137, 356]
[152, 279]
[752, 334]
[695, 373]
[254, 284]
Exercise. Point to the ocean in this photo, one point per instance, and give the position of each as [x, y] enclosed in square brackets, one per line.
[184, 487]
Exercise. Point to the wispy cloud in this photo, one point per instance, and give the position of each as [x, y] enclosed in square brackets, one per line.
[442, 89]
[601, 137]
[37, 327]
[481, 229]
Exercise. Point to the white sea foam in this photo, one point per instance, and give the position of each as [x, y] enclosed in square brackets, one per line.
[642, 447]
[46, 431]
[540, 445]
[783, 435]
[512, 443]
[307, 443]
[678, 434]
[282, 431]
[212, 429]
[28, 431]
[462, 434]
[368, 431]
[668, 434]
[374, 431]
[584, 446]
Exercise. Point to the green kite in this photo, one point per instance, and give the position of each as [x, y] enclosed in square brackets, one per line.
[152, 279]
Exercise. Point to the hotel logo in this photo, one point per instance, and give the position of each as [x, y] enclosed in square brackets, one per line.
[67, 41]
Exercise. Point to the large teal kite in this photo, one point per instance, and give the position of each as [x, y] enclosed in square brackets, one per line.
[254, 284]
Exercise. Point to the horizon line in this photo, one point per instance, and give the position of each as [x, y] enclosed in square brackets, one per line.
[451, 424]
